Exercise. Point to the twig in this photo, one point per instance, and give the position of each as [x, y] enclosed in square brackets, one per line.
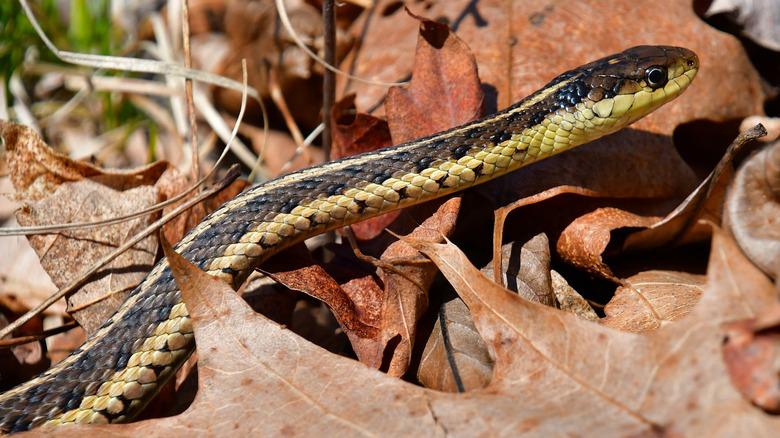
[231, 175]
[328, 78]
[280, 8]
[185, 31]
[13, 342]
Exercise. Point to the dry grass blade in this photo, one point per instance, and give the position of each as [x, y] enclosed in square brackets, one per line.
[134, 64]
[185, 31]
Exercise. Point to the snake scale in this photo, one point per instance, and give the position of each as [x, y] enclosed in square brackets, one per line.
[121, 366]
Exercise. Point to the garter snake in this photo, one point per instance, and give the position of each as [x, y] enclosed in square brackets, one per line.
[121, 366]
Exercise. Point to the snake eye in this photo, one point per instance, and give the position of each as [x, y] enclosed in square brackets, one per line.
[656, 76]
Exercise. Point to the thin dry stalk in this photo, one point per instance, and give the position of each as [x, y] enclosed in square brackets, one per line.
[328, 78]
[185, 30]
[134, 64]
[13, 342]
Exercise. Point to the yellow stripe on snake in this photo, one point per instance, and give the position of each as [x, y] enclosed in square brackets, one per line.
[122, 365]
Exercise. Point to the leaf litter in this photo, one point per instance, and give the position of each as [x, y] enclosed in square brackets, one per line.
[653, 363]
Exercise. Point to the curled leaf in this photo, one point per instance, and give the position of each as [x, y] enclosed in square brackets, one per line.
[752, 210]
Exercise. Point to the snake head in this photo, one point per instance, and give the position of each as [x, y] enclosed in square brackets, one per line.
[635, 82]
[616, 90]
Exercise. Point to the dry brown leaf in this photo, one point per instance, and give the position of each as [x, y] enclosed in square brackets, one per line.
[757, 19]
[648, 300]
[688, 221]
[36, 170]
[406, 295]
[569, 300]
[356, 308]
[580, 376]
[355, 132]
[752, 210]
[555, 373]
[455, 359]
[56, 190]
[525, 269]
[583, 242]
[520, 45]
[66, 254]
[445, 90]
[751, 351]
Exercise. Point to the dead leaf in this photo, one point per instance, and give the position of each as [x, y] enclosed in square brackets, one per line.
[36, 170]
[456, 358]
[751, 349]
[752, 210]
[555, 373]
[526, 270]
[405, 297]
[583, 242]
[56, 189]
[86, 201]
[569, 300]
[445, 90]
[360, 318]
[669, 380]
[355, 132]
[757, 19]
[687, 222]
[650, 299]
[519, 47]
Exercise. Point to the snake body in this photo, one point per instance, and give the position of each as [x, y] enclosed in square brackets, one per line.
[121, 366]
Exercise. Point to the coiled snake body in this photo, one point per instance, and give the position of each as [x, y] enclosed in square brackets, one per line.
[122, 365]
